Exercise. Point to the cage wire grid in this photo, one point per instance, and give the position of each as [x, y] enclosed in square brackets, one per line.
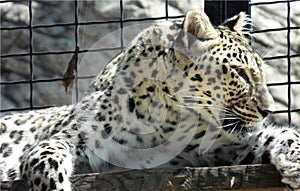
[30, 27]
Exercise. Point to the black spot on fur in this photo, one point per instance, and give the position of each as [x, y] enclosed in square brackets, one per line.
[144, 54]
[211, 80]
[104, 107]
[199, 135]
[46, 153]
[208, 70]
[120, 141]
[259, 135]
[232, 75]
[144, 96]
[104, 134]
[150, 89]
[58, 123]
[233, 83]
[137, 60]
[44, 187]
[219, 74]
[107, 128]
[248, 159]
[3, 147]
[166, 89]
[66, 123]
[221, 34]
[19, 122]
[269, 140]
[53, 164]
[154, 73]
[100, 117]
[130, 50]
[290, 142]
[75, 127]
[139, 139]
[54, 132]
[168, 129]
[218, 151]
[224, 69]
[97, 144]
[26, 167]
[172, 122]
[161, 53]
[2, 128]
[190, 147]
[208, 93]
[266, 158]
[139, 115]
[11, 173]
[52, 184]
[46, 174]
[174, 163]
[60, 178]
[32, 129]
[12, 134]
[7, 152]
[197, 77]
[40, 167]
[131, 104]
[121, 91]
[85, 107]
[34, 162]
[37, 181]
[150, 49]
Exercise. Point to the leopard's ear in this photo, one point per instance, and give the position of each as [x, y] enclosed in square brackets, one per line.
[198, 24]
[238, 23]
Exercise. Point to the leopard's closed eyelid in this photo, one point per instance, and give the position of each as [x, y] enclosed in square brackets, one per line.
[244, 75]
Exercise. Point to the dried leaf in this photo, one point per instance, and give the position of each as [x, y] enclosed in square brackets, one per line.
[70, 74]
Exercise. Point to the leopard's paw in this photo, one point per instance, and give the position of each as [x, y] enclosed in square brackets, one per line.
[286, 158]
[291, 176]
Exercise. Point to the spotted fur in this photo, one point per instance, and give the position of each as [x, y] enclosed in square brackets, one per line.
[184, 93]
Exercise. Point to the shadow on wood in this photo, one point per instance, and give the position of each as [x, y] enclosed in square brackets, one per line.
[242, 178]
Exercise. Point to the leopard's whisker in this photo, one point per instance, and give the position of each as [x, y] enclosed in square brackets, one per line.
[233, 129]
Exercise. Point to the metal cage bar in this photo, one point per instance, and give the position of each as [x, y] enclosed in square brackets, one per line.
[288, 18]
[31, 64]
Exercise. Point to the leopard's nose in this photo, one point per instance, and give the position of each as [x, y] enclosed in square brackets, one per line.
[265, 112]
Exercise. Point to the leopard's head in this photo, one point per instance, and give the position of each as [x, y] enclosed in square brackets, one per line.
[226, 71]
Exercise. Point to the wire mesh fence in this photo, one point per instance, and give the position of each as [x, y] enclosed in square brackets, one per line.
[287, 55]
[31, 27]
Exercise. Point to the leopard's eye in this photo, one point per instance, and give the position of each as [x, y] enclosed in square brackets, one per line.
[243, 74]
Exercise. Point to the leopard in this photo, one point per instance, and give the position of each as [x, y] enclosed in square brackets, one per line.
[184, 93]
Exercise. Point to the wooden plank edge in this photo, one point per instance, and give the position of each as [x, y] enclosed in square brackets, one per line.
[244, 177]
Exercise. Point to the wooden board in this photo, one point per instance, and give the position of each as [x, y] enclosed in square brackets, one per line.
[239, 178]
